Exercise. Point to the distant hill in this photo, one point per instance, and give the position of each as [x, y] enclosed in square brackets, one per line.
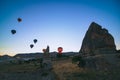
[40, 55]
[27, 56]
[4, 57]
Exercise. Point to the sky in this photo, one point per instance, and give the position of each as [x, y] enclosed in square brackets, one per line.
[57, 23]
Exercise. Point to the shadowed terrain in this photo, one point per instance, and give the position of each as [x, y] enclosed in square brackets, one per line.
[62, 69]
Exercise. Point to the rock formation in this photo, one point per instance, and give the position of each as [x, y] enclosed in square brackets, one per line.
[97, 40]
[47, 60]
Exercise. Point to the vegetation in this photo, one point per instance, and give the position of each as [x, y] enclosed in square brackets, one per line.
[63, 69]
[78, 59]
[118, 55]
[66, 70]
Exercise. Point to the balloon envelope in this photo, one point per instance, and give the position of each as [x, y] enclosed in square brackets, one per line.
[60, 49]
[13, 31]
[31, 46]
[44, 50]
[35, 40]
[19, 19]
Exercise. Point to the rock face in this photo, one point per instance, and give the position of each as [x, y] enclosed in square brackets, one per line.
[97, 40]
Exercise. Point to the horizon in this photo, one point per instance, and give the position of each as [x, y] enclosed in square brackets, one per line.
[38, 53]
[61, 23]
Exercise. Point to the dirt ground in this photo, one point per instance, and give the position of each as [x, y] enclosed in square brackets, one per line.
[62, 69]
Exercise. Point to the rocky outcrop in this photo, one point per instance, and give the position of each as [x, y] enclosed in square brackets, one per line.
[97, 40]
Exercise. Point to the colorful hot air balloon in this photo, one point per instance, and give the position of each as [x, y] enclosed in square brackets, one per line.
[35, 41]
[13, 31]
[19, 19]
[60, 49]
[31, 46]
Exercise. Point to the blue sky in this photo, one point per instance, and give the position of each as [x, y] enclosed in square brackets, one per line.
[57, 23]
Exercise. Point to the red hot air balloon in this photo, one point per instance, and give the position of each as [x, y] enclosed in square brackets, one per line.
[60, 49]
[44, 50]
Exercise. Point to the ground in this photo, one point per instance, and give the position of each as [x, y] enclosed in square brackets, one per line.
[62, 69]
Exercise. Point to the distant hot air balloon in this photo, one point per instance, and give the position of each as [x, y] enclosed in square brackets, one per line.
[35, 41]
[44, 50]
[60, 49]
[31, 46]
[19, 19]
[13, 31]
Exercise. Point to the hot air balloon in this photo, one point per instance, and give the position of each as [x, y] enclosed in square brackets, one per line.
[44, 50]
[19, 19]
[60, 49]
[31, 46]
[13, 31]
[35, 41]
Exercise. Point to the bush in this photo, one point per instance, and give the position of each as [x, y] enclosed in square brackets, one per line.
[75, 59]
[78, 59]
[45, 74]
[118, 55]
[41, 60]
[59, 55]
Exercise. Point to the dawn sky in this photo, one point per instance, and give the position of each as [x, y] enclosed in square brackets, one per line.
[57, 23]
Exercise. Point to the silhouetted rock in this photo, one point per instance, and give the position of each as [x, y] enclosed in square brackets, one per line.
[118, 51]
[97, 40]
[47, 49]
[98, 62]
